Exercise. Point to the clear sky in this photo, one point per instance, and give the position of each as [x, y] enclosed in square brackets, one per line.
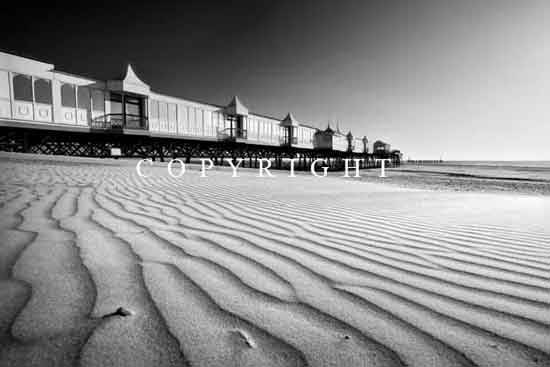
[458, 79]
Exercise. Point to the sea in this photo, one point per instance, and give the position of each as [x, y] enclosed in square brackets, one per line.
[529, 170]
[498, 164]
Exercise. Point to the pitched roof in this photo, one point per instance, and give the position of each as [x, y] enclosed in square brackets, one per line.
[289, 120]
[129, 83]
[131, 76]
[235, 107]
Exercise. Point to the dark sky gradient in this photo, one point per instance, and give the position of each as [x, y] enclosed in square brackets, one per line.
[459, 79]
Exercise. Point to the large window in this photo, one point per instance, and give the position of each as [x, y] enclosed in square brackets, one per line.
[68, 96]
[43, 91]
[116, 103]
[98, 105]
[83, 94]
[98, 101]
[133, 106]
[22, 87]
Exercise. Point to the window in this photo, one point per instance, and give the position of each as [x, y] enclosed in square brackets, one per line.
[43, 91]
[163, 111]
[215, 120]
[208, 130]
[83, 94]
[172, 113]
[98, 100]
[4, 85]
[154, 110]
[192, 121]
[198, 121]
[187, 121]
[68, 97]
[116, 103]
[22, 87]
[132, 106]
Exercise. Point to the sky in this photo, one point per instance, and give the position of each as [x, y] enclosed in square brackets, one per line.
[461, 80]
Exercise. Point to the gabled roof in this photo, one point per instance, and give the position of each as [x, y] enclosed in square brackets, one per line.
[235, 107]
[328, 129]
[289, 120]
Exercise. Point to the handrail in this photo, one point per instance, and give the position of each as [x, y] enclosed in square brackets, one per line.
[120, 121]
[232, 133]
[283, 140]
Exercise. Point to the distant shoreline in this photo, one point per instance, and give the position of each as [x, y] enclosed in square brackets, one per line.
[482, 163]
[509, 179]
[453, 174]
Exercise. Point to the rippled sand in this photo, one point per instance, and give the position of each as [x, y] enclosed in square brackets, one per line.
[223, 271]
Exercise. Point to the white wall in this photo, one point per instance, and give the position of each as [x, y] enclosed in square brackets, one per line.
[38, 110]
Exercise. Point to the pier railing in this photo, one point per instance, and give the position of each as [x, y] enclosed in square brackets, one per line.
[119, 121]
[232, 133]
[283, 140]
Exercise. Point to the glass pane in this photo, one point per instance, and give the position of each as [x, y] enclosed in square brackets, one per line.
[43, 91]
[4, 85]
[154, 110]
[172, 112]
[98, 100]
[22, 87]
[116, 103]
[83, 97]
[163, 111]
[133, 106]
[115, 97]
[133, 109]
[116, 107]
[68, 97]
[132, 100]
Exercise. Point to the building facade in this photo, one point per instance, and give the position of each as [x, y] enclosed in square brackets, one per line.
[33, 94]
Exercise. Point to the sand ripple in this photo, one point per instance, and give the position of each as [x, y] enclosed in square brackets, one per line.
[251, 272]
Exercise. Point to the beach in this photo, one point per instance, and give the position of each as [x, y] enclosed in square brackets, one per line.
[101, 267]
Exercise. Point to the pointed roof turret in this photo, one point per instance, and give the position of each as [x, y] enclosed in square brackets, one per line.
[129, 83]
[235, 107]
[131, 76]
[349, 134]
[289, 120]
[328, 129]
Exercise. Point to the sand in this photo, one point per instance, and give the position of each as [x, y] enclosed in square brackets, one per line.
[223, 271]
